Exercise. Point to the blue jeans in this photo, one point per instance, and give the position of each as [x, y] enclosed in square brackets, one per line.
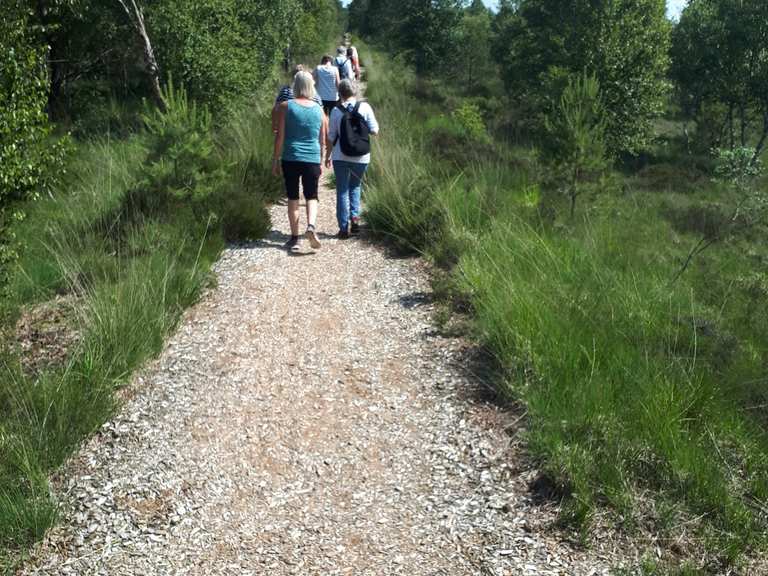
[349, 183]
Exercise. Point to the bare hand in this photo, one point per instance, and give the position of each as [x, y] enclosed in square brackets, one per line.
[276, 171]
[327, 162]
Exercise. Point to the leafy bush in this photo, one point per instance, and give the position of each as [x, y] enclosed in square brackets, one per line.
[462, 137]
[623, 42]
[31, 161]
[223, 51]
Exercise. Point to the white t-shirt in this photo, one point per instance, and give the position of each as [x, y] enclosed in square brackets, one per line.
[326, 82]
[334, 128]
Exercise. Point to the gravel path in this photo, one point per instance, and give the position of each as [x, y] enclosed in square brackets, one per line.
[306, 418]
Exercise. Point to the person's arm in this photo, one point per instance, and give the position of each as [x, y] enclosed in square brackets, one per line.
[279, 139]
[370, 119]
[275, 117]
[324, 142]
[329, 140]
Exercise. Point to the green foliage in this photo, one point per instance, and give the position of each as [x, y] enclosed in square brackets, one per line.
[461, 136]
[640, 394]
[31, 161]
[623, 43]
[426, 32]
[721, 71]
[316, 25]
[737, 166]
[182, 166]
[188, 175]
[221, 50]
[576, 134]
[470, 119]
[128, 275]
[475, 38]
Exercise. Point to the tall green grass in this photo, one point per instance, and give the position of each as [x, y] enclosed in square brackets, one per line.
[127, 276]
[639, 391]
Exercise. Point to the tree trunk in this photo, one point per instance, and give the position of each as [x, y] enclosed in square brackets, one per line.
[55, 68]
[730, 126]
[763, 136]
[574, 190]
[136, 16]
[743, 122]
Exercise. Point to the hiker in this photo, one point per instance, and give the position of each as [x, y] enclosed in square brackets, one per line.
[344, 64]
[352, 55]
[327, 82]
[349, 147]
[301, 134]
[286, 93]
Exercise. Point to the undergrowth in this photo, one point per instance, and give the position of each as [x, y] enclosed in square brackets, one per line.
[643, 395]
[128, 239]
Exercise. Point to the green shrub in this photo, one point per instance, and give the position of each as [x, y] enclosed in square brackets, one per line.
[461, 137]
[31, 160]
[182, 167]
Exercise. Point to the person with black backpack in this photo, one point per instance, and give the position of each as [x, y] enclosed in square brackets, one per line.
[351, 125]
[344, 64]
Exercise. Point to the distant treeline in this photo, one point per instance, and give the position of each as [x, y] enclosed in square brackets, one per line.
[712, 66]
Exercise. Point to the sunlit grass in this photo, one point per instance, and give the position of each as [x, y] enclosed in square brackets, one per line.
[638, 391]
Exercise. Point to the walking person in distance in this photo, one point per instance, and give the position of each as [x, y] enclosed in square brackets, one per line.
[327, 81]
[355, 59]
[351, 124]
[344, 64]
[301, 135]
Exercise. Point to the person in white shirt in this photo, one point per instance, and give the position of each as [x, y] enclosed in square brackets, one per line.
[327, 83]
[344, 64]
[349, 170]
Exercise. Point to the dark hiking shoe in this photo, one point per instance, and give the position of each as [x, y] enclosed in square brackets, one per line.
[312, 237]
[292, 245]
[342, 235]
[354, 228]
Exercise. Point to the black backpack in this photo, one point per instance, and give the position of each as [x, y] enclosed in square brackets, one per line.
[342, 68]
[354, 134]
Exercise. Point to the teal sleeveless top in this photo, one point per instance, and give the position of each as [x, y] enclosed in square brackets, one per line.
[302, 133]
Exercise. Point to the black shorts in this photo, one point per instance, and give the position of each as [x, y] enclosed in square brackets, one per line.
[308, 173]
[329, 105]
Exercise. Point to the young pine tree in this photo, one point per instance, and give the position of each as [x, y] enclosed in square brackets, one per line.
[575, 142]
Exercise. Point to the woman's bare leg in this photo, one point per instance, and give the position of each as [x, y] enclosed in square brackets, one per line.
[293, 216]
[311, 212]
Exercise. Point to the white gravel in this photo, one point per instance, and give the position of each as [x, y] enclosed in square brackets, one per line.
[306, 418]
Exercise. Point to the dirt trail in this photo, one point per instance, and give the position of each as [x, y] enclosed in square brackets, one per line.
[306, 418]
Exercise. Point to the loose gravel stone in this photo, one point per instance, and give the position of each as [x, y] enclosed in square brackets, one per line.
[306, 418]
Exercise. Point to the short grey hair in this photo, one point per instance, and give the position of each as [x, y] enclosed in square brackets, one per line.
[303, 85]
[341, 50]
[347, 89]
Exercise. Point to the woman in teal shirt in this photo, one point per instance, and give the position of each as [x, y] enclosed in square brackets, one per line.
[301, 134]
